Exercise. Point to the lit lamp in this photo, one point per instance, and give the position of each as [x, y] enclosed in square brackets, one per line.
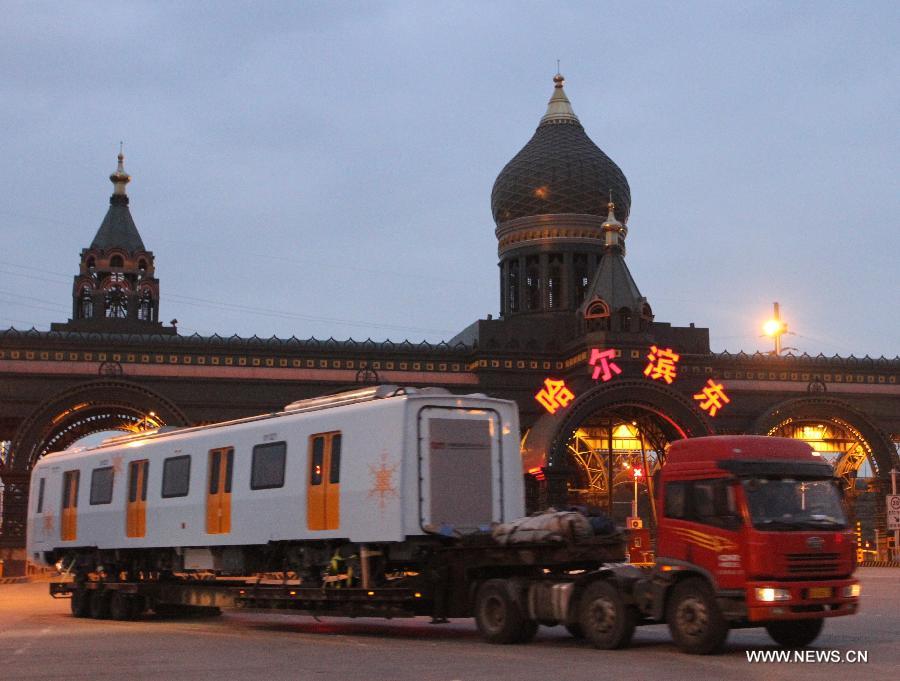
[776, 328]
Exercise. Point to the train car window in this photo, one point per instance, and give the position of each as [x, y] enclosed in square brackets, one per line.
[317, 460]
[102, 485]
[229, 469]
[267, 469]
[176, 476]
[133, 482]
[215, 463]
[334, 473]
[70, 489]
[40, 503]
[676, 500]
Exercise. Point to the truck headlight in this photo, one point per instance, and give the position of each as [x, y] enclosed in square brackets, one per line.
[767, 594]
[851, 591]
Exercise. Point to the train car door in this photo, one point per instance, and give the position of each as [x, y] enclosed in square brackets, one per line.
[136, 508]
[323, 490]
[218, 496]
[68, 527]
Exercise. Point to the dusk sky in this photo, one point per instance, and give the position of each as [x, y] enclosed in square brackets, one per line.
[325, 169]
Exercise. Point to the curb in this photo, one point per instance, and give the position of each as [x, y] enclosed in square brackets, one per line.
[880, 563]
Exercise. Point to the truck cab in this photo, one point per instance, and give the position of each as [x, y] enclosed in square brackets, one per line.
[752, 532]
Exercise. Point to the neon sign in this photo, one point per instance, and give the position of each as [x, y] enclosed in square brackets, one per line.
[662, 364]
[554, 395]
[604, 367]
[712, 398]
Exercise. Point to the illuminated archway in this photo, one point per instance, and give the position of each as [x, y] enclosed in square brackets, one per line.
[609, 427]
[102, 405]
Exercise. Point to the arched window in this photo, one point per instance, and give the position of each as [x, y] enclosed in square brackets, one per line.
[85, 303]
[597, 309]
[116, 302]
[512, 286]
[554, 281]
[142, 265]
[580, 276]
[116, 261]
[91, 263]
[646, 312]
[532, 283]
[145, 307]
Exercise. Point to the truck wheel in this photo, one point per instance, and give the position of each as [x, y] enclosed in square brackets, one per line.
[694, 618]
[604, 618]
[81, 602]
[121, 606]
[100, 605]
[499, 616]
[795, 633]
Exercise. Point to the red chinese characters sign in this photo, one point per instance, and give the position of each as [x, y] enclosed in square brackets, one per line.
[604, 367]
[712, 397]
[554, 395]
[662, 364]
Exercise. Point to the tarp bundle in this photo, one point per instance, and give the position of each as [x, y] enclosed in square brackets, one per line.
[551, 525]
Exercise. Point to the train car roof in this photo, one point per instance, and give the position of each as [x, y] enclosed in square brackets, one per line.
[345, 398]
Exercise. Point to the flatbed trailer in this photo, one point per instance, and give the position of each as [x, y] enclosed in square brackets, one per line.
[509, 589]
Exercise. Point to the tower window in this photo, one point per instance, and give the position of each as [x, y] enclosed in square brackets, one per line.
[116, 303]
[532, 283]
[142, 265]
[85, 303]
[554, 282]
[513, 286]
[91, 263]
[145, 307]
[580, 276]
[116, 261]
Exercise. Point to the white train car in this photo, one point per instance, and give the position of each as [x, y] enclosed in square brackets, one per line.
[382, 466]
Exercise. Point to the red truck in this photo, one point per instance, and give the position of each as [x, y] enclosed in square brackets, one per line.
[752, 532]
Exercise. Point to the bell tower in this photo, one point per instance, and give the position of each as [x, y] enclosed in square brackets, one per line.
[115, 290]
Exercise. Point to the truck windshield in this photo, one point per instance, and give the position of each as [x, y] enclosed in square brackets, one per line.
[786, 504]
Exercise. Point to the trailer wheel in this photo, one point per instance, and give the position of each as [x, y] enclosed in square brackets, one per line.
[499, 616]
[121, 606]
[795, 633]
[81, 602]
[100, 605]
[605, 619]
[695, 620]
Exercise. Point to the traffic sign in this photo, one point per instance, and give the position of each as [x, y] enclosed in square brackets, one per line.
[893, 511]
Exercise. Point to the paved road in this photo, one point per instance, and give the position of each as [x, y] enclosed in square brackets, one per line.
[40, 640]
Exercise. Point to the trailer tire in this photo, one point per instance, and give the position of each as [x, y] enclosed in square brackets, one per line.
[795, 633]
[121, 606]
[499, 615]
[81, 602]
[695, 620]
[604, 617]
[100, 605]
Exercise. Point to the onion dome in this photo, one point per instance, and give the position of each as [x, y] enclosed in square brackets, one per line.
[560, 170]
[118, 229]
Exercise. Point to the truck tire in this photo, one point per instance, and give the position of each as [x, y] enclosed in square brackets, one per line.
[100, 605]
[695, 620]
[795, 633]
[81, 602]
[604, 618]
[499, 616]
[121, 606]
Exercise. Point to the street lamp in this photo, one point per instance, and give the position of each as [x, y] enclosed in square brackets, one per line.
[776, 328]
[638, 474]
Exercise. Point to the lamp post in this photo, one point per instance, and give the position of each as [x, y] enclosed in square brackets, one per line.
[776, 328]
[638, 474]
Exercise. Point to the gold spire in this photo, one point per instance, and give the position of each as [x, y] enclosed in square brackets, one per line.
[614, 231]
[120, 178]
[559, 109]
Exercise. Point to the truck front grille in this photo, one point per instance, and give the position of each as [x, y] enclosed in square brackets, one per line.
[813, 563]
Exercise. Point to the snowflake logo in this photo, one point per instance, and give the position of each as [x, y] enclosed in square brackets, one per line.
[383, 481]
